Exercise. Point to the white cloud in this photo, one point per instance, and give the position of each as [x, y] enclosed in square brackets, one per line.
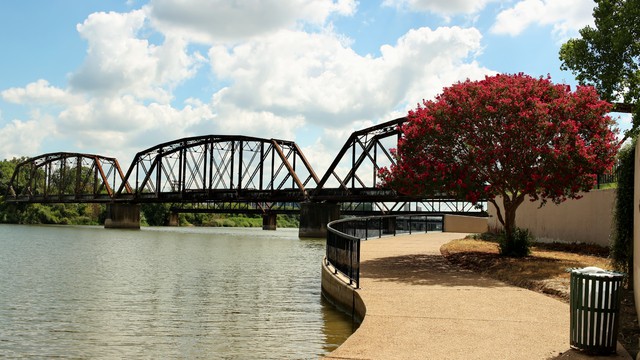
[286, 83]
[213, 21]
[25, 138]
[119, 62]
[106, 125]
[319, 78]
[442, 7]
[322, 87]
[330, 85]
[133, 124]
[39, 92]
[566, 17]
[424, 61]
[122, 90]
[233, 120]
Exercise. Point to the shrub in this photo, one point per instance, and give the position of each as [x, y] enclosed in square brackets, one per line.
[487, 236]
[518, 245]
[621, 251]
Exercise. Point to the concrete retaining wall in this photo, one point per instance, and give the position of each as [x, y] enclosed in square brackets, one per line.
[585, 220]
[465, 224]
[341, 295]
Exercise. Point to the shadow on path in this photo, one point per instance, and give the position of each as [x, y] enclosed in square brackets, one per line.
[422, 269]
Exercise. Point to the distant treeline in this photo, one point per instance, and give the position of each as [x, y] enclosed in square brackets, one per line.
[95, 214]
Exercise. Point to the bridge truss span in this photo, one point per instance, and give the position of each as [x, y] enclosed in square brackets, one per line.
[231, 174]
[354, 171]
[221, 168]
[65, 177]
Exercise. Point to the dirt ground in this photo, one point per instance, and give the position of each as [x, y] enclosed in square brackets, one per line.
[546, 271]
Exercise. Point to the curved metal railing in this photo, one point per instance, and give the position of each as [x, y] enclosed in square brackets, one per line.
[344, 238]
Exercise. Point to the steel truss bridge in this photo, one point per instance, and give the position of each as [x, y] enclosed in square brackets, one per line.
[229, 174]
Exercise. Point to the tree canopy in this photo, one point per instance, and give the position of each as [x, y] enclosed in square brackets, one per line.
[608, 56]
[512, 136]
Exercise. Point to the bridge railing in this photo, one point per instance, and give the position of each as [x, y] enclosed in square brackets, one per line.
[344, 238]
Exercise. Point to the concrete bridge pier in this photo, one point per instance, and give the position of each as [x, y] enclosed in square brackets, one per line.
[314, 218]
[174, 219]
[122, 216]
[269, 221]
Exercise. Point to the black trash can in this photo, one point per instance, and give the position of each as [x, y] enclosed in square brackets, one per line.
[595, 310]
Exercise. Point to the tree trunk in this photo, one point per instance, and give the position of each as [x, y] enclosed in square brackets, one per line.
[507, 216]
[510, 207]
[509, 221]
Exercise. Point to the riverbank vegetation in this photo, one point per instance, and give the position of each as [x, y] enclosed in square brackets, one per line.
[158, 215]
[95, 214]
[58, 214]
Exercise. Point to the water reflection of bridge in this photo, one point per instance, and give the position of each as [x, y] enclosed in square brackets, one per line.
[229, 174]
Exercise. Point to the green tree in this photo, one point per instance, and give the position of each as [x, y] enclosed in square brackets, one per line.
[156, 214]
[622, 233]
[9, 213]
[7, 168]
[608, 56]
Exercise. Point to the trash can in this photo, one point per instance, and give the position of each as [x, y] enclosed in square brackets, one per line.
[595, 310]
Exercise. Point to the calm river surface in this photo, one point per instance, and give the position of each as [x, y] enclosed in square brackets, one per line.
[211, 293]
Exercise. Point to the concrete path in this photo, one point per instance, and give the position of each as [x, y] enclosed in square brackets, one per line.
[420, 307]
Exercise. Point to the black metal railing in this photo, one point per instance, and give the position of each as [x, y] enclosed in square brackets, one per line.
[344, 237]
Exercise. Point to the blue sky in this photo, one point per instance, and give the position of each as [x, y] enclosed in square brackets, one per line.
[114, 77]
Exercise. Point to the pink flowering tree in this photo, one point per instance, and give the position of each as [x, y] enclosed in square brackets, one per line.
[512, 136]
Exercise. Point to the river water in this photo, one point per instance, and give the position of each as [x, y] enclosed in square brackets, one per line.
[209, 293]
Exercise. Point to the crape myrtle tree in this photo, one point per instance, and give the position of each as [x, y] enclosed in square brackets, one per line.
[512, 136]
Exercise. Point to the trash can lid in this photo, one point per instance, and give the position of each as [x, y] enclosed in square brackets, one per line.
[596, 271]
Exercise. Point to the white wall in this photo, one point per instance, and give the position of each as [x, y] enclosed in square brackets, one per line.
[585, 220]
[465, 224]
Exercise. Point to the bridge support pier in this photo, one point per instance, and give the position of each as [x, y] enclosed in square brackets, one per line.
[269, 221]
[314, 218]
[174, 219]
[122, 216]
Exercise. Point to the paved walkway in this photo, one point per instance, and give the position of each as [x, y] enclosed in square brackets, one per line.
[420, 307]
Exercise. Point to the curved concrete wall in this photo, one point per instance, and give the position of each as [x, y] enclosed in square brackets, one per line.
[342, 295]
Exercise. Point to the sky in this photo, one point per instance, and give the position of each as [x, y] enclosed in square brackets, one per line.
[114, 77]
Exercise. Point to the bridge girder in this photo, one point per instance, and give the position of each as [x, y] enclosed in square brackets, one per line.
[368, 154]
[66, 177]
[219, 167]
